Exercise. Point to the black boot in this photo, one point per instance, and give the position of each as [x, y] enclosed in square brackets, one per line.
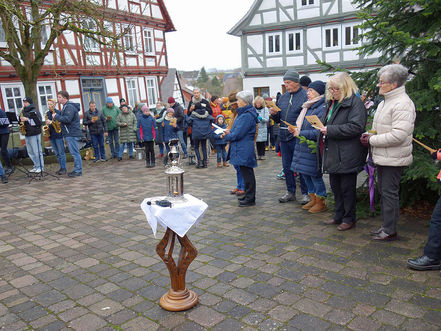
[204, 163]
[200, 164]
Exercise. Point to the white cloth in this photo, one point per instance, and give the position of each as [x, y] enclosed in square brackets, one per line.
[180, 217]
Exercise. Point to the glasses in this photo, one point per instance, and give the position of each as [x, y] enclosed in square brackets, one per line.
[330, 88]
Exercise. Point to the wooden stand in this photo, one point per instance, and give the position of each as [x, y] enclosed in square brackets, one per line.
[178, 298]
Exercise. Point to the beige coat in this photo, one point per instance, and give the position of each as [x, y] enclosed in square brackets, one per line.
[393, 123]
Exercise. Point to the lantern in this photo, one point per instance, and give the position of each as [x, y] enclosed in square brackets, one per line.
[174, 174]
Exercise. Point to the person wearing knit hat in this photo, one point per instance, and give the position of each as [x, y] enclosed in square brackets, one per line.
[122, 103]
[290, 104]
[111, 112]
[304, 160]
[179, 113]
[169, 132]
[304, 82]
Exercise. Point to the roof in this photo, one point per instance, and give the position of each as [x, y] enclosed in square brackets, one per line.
[168, 84]
[236, 30]
[169, 27]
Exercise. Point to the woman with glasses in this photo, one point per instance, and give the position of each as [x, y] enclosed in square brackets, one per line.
[391, 144]
[342, 155]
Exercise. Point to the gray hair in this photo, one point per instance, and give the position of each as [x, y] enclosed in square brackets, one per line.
[245, 96]
[394, 73]
[197, 89]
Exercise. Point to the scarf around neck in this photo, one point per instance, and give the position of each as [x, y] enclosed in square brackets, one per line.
[305, 108]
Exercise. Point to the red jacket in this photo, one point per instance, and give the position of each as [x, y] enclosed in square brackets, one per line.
[216, 109]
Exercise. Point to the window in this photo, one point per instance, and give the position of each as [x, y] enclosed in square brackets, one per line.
[307, 2]
[13, 96]
[294, 41]
[274, 43]
[129, 39]
[332, 38]
[45, 92]
[89, 43]
[151, 91]
[132, 91]
[148, 41]
[261, 91]
[351, 35]
[2, 34]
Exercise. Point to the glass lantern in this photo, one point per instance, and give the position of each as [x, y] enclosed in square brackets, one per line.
[174, 173]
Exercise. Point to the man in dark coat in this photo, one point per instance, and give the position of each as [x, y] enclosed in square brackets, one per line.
[180, 117]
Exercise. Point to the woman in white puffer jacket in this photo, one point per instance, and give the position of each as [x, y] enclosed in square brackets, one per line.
[391, 144]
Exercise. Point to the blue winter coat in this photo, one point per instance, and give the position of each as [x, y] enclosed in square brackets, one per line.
[241, 138]
[289, 113]
[4, 123]
[169, 132]
[303, 160]
[216, 138]
[70, 120]
[200, 122]
[146, 127]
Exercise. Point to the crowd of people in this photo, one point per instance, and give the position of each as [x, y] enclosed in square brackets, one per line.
[317, 128]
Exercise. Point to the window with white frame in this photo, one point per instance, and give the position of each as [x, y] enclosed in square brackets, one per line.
[132, 90]
[89, 43]
[350, 36]
[152, 92]
[13, 96]
[129, 38]
[148, 40]
[331, 37]
[45, 92]
[307, 2]
[274, 43]
[294, 41]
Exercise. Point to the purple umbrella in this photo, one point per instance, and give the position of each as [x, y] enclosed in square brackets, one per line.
[370, 169]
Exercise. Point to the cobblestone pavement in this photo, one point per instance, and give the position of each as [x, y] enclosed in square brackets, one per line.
[79, 254]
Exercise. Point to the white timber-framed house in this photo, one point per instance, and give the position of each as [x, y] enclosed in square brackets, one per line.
[90, 71]
[277, 35]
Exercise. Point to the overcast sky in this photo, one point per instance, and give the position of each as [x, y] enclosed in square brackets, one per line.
[201, 38]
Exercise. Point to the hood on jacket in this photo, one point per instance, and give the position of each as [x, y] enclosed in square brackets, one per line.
[248, 109]
[77, 106]
[219, 116]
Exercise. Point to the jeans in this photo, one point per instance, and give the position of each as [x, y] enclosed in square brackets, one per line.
[161, 148]
[72, 145]
[2, 171]
[433, 245]
[240, 181]
[114, 138]
[221, 153]
[4, 138]
[287, 149]
[33, 146]
[98, 146]
[203, 143]
[182, 141]
[129, 148]
[58, 148]
[315, 185]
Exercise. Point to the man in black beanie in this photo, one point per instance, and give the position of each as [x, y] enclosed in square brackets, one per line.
[290, 105]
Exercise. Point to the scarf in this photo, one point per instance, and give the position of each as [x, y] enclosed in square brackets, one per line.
[305, 108]
[194, 100]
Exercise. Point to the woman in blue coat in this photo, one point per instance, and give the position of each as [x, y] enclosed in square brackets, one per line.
[304, 160]
[241, 151]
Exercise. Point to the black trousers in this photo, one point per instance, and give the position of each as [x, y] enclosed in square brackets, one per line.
[260, 146]
[4, 138]
[344, 188]
[203, 144]
[433, 246]
[389, 186]
[250, 183]
[149, 151]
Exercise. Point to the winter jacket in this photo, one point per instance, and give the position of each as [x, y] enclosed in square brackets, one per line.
[180, 116]
[303, 160]
[4, 122]
[53, 134]
[343, 152]
[70, 120]
[204, 103]
[33, 115]
[113, 113]
[200, 122]
[216, 137]
[393, 123]
[169, 132]
[241, 138]
[146, 128]
[290, 105]
[100, 125]
[127, 134]
[216, 109]
[263, 117]
[159, 120]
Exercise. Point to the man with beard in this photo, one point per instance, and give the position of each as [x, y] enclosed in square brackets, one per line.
[197, 97]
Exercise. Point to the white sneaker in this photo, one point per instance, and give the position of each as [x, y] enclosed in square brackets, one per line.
[305, 199]
[33, 170]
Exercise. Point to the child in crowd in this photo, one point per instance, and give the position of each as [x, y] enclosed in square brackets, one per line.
[170, 131]
[146, 135]
[220, 143]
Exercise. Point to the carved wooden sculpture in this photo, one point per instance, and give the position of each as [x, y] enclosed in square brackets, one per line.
[178, 297]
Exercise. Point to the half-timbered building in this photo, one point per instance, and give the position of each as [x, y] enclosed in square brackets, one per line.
[90, 71]
[277, 35]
